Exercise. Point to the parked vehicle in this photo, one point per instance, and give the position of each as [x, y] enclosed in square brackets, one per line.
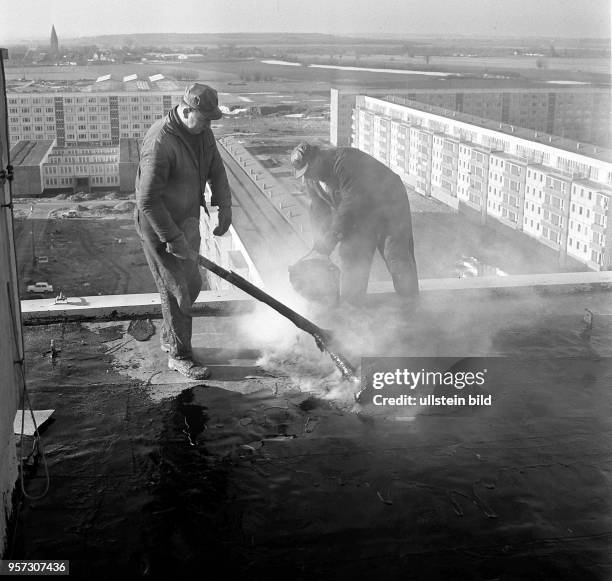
[40, 287]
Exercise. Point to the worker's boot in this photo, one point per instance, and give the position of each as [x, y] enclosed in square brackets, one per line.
[189, 368]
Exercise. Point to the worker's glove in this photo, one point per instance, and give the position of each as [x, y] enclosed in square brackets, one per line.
[326, 244]
[225, 220]
[180, 248]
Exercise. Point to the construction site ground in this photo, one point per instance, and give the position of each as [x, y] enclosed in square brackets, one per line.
[94, 255]
[81, 256]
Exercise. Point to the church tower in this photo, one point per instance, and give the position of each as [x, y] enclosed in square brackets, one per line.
[54, 49]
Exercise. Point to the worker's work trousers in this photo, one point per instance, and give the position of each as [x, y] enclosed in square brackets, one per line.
[393, 238]
[179, 282]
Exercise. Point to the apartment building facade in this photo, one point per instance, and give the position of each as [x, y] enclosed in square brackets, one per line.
[340, 113]
[473, 178]
[506, 192]
[81, 168]
[103, 113]
[556, 191]
[445, 168]
[43, 168]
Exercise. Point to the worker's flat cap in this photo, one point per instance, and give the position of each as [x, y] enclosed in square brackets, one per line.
[204, 99]
[301, 156]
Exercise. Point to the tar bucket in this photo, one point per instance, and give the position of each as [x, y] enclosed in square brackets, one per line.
[317, 279]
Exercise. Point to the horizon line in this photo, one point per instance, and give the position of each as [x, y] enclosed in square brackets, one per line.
[380, 35]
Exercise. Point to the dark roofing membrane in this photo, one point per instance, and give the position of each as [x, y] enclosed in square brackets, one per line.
[259, 472]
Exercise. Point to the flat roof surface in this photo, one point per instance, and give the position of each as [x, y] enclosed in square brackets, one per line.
[527, 88]
[594, 185]
[267, 471]
[552, 172]
[509, 157]
[580, 148]
[105, 83]
[269, 237]
[29, 153]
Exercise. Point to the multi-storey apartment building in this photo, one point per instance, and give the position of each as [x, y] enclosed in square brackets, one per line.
[555, 190]
[419, 166]
[340, 117]
[382, 135]
[81, 167]
[473, 178]
[546, 206]
[41, 167]
[444, 169]
[91, 134]
[101, 113]
[576, 113]
[506, 190]
[590, 232]
[399, 145]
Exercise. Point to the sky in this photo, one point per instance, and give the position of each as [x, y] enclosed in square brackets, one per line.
[31, 19]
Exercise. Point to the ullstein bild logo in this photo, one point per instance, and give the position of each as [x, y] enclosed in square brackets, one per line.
[430, 382]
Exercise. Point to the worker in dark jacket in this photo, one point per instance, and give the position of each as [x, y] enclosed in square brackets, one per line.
[179, 156]
[361, 204]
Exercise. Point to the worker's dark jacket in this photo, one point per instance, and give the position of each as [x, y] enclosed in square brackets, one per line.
[365, 206]
[364, 191]
[171, 179]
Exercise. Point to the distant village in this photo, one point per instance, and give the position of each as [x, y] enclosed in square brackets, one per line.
[88, 54]
[126, 50]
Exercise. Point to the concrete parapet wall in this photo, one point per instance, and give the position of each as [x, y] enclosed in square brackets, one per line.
[291, 210]
[9, 379]
[8, 477]
[515, 285]
[124, 307]
[10, 351]
[225, 303]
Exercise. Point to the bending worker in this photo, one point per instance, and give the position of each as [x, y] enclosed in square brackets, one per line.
[178, 157]
[360, 204]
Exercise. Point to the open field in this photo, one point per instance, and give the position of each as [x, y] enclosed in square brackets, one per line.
[457, 64]
[86, 256]
[477, 70]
